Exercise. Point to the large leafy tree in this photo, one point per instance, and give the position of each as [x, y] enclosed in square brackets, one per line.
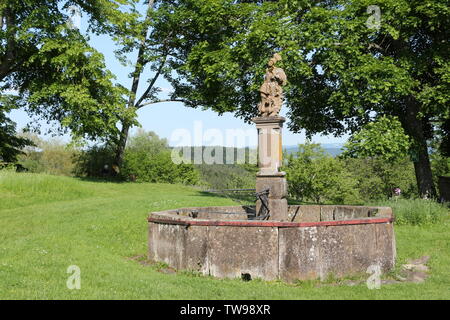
[343, 71]
[49, 69]
[152, 46]
[136, 38]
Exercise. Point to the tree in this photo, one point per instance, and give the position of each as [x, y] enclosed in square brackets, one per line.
[318, 177]
[48, 68]
[147, 142]
[51, 156]
[152, 51]
[381, 152]
[345, 67]
[147, 158]
[377, 178]
[384, 139]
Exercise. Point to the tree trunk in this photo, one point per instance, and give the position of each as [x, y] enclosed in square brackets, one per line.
[424, 175]
[120, 148]
[422, 165]
[122, 143]
[139, 67]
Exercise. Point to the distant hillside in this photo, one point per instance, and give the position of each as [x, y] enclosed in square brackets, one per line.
[334, 149]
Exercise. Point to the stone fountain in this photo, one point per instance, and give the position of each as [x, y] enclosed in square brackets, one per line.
[280, 241]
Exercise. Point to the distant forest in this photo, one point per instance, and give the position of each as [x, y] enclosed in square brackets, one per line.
[250, 153]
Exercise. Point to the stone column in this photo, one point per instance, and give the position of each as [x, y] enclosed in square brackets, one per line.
[270, 152]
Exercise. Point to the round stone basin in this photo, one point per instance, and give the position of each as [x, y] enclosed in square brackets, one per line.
[316, 242]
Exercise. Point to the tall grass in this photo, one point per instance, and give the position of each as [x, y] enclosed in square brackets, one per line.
[416, 212]
[20, 189]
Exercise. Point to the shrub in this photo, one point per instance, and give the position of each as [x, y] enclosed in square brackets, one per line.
[147, 142]
[51, 157]
[158, 168]
[92, 162]
[221, 176]
[440, 165]
[381, 149]
[148, 159]
[315, 176]
[8, 167]
[377, 177]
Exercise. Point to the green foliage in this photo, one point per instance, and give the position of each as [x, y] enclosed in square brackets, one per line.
[220, 177]
[10, 144]
[58, 76]
[147, 142]
[444, 145]
[95, 161]
[8, 167]
[244, 157]
[147, 159]
[417, 212]
[158, 168]
[51, 157]
[74, 89]
[377, 177]
[384, 139]
[341, 71]
[440, 155]
[315, 176]
[339, 68]
[381, 162]
[440, 165]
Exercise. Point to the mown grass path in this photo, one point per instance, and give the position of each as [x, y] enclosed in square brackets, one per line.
[48, 223]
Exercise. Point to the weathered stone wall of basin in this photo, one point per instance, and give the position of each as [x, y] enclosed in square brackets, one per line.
[319, 241]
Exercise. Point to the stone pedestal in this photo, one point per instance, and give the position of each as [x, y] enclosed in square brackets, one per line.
[270, 152]
[278, 204]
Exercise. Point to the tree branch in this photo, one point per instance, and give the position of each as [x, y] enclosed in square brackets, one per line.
[160, 101]
[152, 83]
[158, 73]
[376, 46]
[140, 62]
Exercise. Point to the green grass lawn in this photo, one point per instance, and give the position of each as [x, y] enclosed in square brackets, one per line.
[49, 223]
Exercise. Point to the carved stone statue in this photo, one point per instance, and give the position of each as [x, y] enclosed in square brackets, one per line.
[271, 91]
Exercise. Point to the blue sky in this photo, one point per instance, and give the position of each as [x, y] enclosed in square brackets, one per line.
[165, 118]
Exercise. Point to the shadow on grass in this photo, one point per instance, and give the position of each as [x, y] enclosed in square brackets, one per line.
[102, 180]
